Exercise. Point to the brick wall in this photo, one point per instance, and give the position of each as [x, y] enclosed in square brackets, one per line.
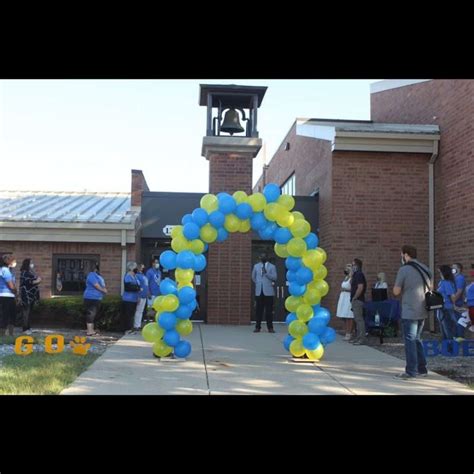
[229, 263]
[449, 104]
[42, 255]
[139, 185]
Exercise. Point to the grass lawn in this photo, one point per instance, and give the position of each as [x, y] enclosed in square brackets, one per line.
[40, 373]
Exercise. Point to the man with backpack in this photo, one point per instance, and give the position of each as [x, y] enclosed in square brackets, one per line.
[411, 282]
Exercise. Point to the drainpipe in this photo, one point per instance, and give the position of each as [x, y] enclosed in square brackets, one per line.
[123, 243]
[431, 220]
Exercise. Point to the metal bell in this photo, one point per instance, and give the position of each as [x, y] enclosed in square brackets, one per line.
[231, 122]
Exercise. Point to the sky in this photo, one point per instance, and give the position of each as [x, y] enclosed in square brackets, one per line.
[86, 135]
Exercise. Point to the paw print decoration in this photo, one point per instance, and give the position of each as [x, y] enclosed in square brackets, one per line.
[79, 345]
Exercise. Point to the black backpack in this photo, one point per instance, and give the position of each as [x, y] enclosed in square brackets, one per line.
[433, 299]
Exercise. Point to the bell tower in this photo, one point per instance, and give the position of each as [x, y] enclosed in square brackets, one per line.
[230, 148]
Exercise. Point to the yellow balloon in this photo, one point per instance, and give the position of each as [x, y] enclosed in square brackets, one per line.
[240, 197]
[208, 233]
[296, 247]
[152, 332]
[320, 273]
[231, 223]
[158, 303]
[281, 250]
[257, 201]
[297, 215]
[170, 303]
[196, 246]
[176, 231]
[297, 328]
[292, 303]
[304, 312]
[272, 211]
[161, 349]
[296, 347]
[311, 296]
[286, 219]
[209, 202]
[317, 354]
[184, 327]
[184, 275]
[300, 228]
[244, 226]
[182, 285]
[322, 287]
[312, 259]
[287, 201]
[323, 254]
[179, 243]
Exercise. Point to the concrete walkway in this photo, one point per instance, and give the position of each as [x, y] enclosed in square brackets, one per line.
[234, 360]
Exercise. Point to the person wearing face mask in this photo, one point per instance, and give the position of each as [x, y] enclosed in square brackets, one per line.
[130, 295]
[154, 276]
[358, 289]
[8, 294]
[264, 275]
[344, 310]
[460, 281]
[29, 292]
[142, 298]
[410, 283]
[93, 294]
[470, 301]
[447, 316]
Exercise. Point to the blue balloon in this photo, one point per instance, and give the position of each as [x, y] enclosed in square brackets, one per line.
[295, 289]
[193, 304]
[182, 349]
[206, 247]
[311, 240]
[293, 263]
[244, 210]
[283, 235]
[200, 216]
[303, 276]
[268, 231]
[328, 336]
[185, 259]
[290, 276]
[168, 287]
[186, 295]
[290, 318]
[271, 192]
[258, 221]
[316, 325]
[323, 313]
[287, 341]
[167, 321]
[168, 260]
[191, 231]
[184, 311]
[216, 219]
[222, 234]
[186, 219]
[310, 341]
[171, 337]
[227, 203]
[199, 263]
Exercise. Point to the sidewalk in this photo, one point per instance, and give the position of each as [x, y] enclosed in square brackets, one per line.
[234, 360]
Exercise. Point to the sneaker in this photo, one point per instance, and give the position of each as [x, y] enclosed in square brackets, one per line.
[424, 374]
[271, 330]
[347, 337]
[360, 343]
[405, 376]
[28, 332]
[256, 330]
[130, 331]
[459, 339]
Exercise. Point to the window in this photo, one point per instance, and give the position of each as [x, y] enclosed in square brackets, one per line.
[70, 273]
[289, 187]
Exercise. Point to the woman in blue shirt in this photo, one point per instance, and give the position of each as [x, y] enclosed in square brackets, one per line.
[154, 276]
[446, 317]
[8, 294]
[142, 298]
[93, 294]
[130, 296]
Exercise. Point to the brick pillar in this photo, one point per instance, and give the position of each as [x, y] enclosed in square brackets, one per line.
[229, 263]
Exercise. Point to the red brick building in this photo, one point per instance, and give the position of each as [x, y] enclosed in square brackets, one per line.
[402, 177]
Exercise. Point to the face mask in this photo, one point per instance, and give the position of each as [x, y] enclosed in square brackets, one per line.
[13, 265]
[135, 270]
[454, 271]
[263, 260]
[346, 272]
[403, 260]
[156, 265]
[32, 265]
[354, 268]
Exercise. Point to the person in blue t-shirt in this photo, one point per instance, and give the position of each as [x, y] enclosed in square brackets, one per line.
[460, 281]
[446, 316]
[470, 301]
[93, 294]
[130, 296]
[142, 298]
[8, 294]
[154, 276]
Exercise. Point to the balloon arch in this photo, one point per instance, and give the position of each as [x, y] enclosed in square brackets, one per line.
[270, 214]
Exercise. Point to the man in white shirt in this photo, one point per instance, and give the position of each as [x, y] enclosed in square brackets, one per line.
[264, 275]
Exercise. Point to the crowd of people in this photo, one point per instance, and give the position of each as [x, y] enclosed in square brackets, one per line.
[413, 281]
